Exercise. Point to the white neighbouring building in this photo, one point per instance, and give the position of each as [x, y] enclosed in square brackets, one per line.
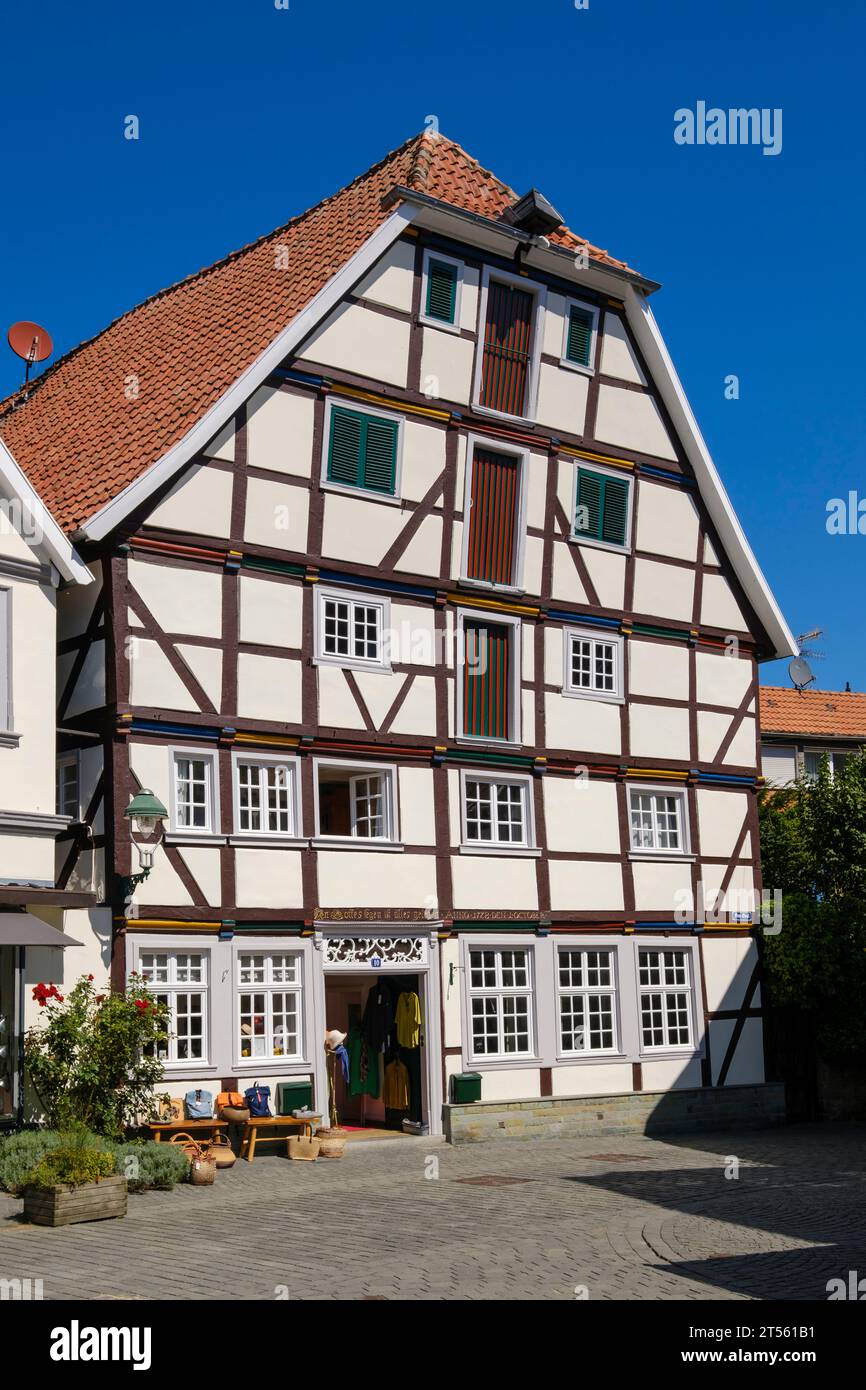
[36, 559]
[420, 604]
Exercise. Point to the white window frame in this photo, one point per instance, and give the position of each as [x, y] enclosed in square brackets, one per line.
[352, 597]
[831, 754]
[432, 255]
[540, 292]
[660, 789]
[70, 760]
[516, 692]
[500, 992]
[622, 475]
[354, 773]
[593, 345]
[595, 635]
[268, 988]
[209, 757]
[265, 760]
[522, 455]
[362, 408]
[693, 1047]
[6, 709]
[173, 987]
[588, 991]
[525, 846]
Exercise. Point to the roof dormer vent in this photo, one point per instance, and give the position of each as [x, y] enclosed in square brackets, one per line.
[533, 213]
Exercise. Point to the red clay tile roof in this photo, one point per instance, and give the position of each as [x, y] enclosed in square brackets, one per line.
[831, 713]
[77, 436]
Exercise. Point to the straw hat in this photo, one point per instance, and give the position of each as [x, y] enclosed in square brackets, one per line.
[334, 1039]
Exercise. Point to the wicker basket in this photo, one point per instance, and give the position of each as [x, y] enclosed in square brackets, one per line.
[202, 1164]
[222, 1152]
[303, 1147]
[332, 1142]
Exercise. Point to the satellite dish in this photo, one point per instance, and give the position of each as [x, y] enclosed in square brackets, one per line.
[30, 342]
[800, 672]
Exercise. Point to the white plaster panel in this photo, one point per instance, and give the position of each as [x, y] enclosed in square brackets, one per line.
[582, 726]
[361, 341]
[562, 396]
[181, 600]
[204, 865]
[667, 521]
[720, 819]
[26, 858]
[206, 664]
[271, 612]
[423, 458]
[199, 504]
[268, 878]
[600, 1079]
[728, 966]
[75, 605]
[280, 431]
[417, 825]
[581, 815]
[153, 681]
[417, 714]
[553, 326]
[658, 669]
[719, 608]
[521, 1083]
[631, 420]
[618, 357]
[449, 957]
[585, 886]
[412, 634]
[482, 881]
[607, 571]
[662, 887]
[269, 688]
[359, 529]
[276, 514]
[365, 878]
[422, 554]
[150, 763]
[222, 446]
[446, 366]
[338, 707]
[391, 279]
[722, 679]
[658, 731]
[671, 1074]
[164, 885]
[536, 490]
[533, 559]
[526, 733]
[567, 584]
[663, 591]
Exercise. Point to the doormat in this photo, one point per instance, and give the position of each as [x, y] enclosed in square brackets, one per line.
[491, 1180]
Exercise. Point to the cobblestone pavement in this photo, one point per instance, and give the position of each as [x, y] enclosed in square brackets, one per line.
[622, 1216]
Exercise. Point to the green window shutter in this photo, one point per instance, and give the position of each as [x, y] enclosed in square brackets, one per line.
[606, 503]
[615, 511]
[362, 451]
[578, 342]
[441, 291]
[344, 449]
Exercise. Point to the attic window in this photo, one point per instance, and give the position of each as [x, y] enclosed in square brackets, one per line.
[440, 291]
[579, 336]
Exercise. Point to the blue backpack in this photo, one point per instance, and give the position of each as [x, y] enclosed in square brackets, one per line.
[199, 1105]
[257, 1099]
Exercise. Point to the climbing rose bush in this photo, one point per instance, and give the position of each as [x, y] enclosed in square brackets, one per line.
[93, 1059]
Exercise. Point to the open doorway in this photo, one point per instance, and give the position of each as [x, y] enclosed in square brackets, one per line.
[383, 1016]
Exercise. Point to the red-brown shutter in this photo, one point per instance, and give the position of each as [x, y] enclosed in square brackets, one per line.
[507, 348]
[486, 680]
[493, 517]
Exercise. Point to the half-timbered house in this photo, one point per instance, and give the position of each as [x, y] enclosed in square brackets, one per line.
[421, 606]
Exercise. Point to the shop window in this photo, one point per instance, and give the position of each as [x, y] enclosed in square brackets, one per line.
[665, 998]
[497, 811]
[269, 1006]
[179, 980]
[500, 1000]
[586, 987]
[356, 803]
[266, 797]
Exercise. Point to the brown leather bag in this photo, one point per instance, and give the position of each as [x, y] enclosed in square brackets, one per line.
[230, 1106]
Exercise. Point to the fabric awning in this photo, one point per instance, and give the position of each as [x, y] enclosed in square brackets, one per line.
[23, 929]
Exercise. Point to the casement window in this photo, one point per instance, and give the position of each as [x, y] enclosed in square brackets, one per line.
[362, 450]
[665, 998]
[813, 757]
[266, 795]
[350, 629]
[593, 664]
[356, 803]
[586, 990]
[179, 979]
[66, 786]
[497, 811]
[494, 508]
[269, 1015]
[658, 820]
[579, 336]
[194, 800]
[488, 677]
[602, 508]
[440, 291]
[507, 366]
[500, 1001]
[5, 660]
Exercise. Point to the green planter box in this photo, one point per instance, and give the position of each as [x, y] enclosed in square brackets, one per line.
[465, 1087]
[294, 1095]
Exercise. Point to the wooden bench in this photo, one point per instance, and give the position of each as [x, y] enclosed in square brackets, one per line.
[251, 1134]
[159, 1127]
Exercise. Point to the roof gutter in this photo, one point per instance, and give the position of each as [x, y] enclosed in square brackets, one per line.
[530, 240]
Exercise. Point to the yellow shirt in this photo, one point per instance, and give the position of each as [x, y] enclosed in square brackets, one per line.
[408, 1020]
[395, 1091]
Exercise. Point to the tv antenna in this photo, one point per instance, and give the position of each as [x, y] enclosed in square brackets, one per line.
[31, 343]
[803, 649]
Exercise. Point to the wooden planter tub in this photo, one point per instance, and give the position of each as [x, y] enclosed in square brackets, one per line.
[65, 1205]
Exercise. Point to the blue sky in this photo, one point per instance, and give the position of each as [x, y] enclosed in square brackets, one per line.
[249, 113]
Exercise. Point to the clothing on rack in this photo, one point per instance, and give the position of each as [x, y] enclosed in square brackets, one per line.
[343, 1057]
[395, 1091]
[363, 1066]
[408, 1019]
[377, 1023]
